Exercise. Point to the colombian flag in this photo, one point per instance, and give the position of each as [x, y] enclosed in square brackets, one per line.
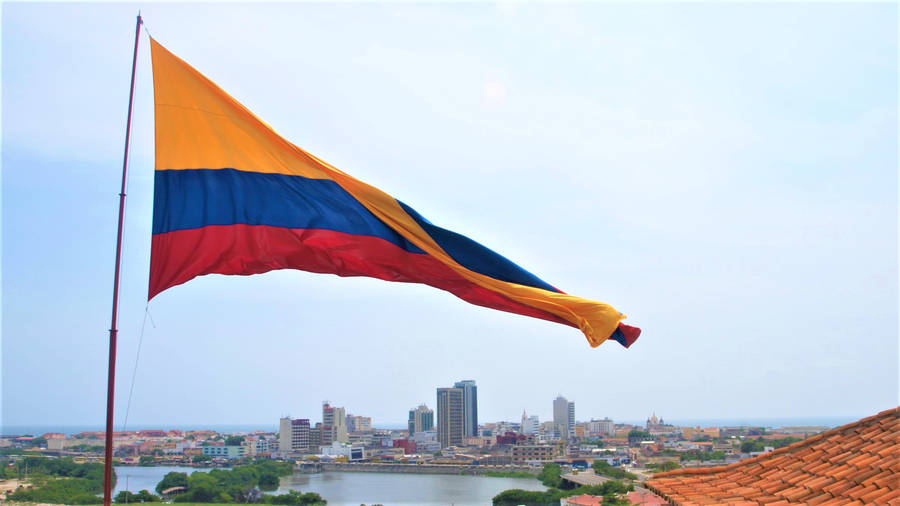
[233, 197]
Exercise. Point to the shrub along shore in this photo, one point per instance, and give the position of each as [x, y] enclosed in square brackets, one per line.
[62, 481]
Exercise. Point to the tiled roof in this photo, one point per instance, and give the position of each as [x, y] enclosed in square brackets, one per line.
[645, 498]
[858, 463]
[584, 500]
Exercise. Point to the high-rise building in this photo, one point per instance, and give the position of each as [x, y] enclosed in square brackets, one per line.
[315, 437]
[470, 406]
[420, 419]
[359, 423]
[284, 434]
[336, 418]
[293, 435]
[564, 417]
[450, 416]
[300, 434]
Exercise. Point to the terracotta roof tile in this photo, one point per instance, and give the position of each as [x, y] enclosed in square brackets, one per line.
[838, 488]
[834, 502]
[861, 460]
[842, 458]
[816, 482]
[874, 493]
[856, 492]
[842, 472]
[794, 476]
[892, 495]
[884, 479]
[887, 448]
[865, 474]
[818, 467]
[819, 499]
[858, 463]
[794, 494]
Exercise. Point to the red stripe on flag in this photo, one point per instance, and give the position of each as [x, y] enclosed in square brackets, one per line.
[254, 249]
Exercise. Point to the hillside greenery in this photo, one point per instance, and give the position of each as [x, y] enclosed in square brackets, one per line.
[603, 468]
[758, 445]
[126, 497]
[509, 474]
[59, 481]
[669, 465]
[551, 476]
[243, 484]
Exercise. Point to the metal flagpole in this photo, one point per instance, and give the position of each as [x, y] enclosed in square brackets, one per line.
[113, 331]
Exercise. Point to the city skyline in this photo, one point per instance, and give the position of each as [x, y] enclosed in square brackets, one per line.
[732, 189]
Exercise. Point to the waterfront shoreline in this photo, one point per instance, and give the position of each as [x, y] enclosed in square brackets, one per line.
[450, 469]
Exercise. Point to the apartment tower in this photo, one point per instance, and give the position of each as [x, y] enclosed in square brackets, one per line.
[420, 419]
[335, 419]
[470, 406]
[450, 416]
[293, 435]
[564, 417]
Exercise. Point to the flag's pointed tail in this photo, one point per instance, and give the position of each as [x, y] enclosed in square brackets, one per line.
[626, 335]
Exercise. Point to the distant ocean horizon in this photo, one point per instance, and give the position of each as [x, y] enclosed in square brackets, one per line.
[768, 422]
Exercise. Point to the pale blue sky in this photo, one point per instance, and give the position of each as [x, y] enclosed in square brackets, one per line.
[726, 174]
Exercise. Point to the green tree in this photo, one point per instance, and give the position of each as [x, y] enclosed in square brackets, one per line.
[781, 443]
[131, 497]
[234, 440]
[669, 465]
[172, 479]
[268, 481]
[201, 487]
[701, 455]
[752, 445]
[517, 497]
[636, 436]
[551, 476]
[602, 467]
[606, 488]
[146, 496]
[274, 467]
[295, 497]
[125, 497]
[58, 491]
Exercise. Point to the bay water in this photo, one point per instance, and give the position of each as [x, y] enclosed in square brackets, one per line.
[349, 488]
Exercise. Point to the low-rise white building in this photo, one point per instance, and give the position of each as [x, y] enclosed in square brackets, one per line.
[531, 425]
[338, 449]
[229, 452]
[605, 427]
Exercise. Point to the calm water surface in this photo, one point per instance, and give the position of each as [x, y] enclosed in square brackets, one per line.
[361, 488]
[146, 478]
[393, 488]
